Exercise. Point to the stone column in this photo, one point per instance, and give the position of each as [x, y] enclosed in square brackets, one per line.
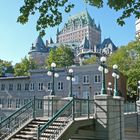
[109, 116]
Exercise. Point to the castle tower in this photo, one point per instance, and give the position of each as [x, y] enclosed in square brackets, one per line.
[38, 51]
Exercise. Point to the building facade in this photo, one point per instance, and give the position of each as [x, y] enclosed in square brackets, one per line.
[17, 91]
[78, 27]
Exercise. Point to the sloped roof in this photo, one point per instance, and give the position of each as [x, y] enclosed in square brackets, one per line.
[106, 42]
[39, 45]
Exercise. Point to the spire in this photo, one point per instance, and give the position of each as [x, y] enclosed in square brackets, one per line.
[51, 41]
[99, 27]
[39, 45]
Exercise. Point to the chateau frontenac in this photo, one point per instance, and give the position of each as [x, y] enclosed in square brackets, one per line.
[81, 34]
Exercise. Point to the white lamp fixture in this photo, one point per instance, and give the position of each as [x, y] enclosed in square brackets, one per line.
[115, 66]
[53, 65]
[56, 75]
[70, 70]
[103, 59]
[49, 73]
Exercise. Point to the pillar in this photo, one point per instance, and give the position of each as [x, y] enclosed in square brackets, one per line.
[109, 116]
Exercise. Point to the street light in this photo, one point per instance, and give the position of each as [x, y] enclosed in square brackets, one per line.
[116, 76]
[104, 70]
[109, 88]
[71, 78]
[52, 73]
[139, 89]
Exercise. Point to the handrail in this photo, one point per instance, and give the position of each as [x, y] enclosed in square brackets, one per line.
[15, 112]
[78, 108]
[55, 116]
[16, 120]
[43, 128]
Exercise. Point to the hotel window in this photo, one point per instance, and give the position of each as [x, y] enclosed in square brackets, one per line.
[9, 103]
[60, 86]
[86, 79]
[26, 86]
[2, 87]
[18, 86]
[40, 86]
[17, 103]
[32, 86]
[97, 79]
[10, 87]
[49, 87]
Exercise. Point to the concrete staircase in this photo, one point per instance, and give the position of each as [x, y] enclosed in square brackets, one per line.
[132, 135]
[29, 132]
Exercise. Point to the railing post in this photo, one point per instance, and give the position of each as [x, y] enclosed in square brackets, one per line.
[38, 132]
[52, 106]
[73, 108]
[34, 115]
[88, 107]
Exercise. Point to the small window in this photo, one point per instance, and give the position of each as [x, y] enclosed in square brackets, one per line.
[32, 86]
[19, 87]
[2, 87]
[49, 87]
[97, 79]
[85, 79]
[17, 103]
[9, 103]
[26, 86]
[60, 86]
[39, 104]
[10, 87]
[40, 86]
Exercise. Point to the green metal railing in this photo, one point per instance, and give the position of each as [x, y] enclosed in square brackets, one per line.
[55, 109]
[75, 108]
[20, 117]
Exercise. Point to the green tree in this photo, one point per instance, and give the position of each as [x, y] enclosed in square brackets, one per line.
[22, 68]
[5, 67]
[128, 59]
[91, 60]
[62, 56]
[50, 11]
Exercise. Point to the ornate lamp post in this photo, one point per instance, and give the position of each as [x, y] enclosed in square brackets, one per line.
[115, 74]
[104, 70]
[52, 73]
[71, 78]
[109, 88]
[138, 90]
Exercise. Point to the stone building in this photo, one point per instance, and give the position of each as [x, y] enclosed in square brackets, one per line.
[81, 34]
[78, 27]
[17, 91]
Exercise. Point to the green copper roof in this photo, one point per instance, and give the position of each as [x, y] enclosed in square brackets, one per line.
[84, 17]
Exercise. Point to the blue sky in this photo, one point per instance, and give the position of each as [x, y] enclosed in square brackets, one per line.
[16, 39]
